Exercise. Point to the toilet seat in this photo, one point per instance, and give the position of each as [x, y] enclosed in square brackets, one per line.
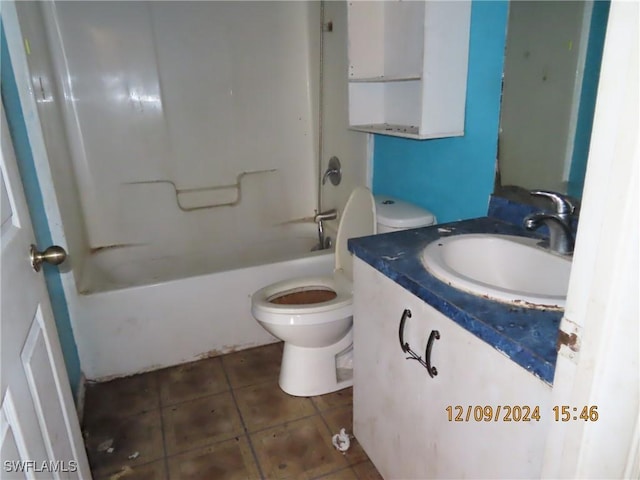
[358, 220]
[284, 314]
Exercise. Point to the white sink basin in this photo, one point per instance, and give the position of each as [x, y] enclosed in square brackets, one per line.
[502, 267]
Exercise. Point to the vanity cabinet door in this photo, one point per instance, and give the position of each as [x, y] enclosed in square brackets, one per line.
[394, 406]
[406, 420]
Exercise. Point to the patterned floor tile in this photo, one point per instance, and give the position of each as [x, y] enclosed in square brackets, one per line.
[344, 474]
[253, 366]
[266, 405]
[150, 471]
[191, 380]
[297, 450]
[367, 471]
[195, 410]
[228, 460]
[122, 397]
[200, 422]
[114, 443]
[341, 398]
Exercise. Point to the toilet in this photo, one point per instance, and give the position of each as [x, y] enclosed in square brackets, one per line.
[394, 215]
[314, 315]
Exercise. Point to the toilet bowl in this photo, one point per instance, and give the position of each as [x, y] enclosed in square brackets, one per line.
[317, 334]
[314, 315]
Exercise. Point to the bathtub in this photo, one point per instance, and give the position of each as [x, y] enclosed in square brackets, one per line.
[136, 315]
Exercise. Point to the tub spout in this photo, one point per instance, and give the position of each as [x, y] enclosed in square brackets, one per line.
[319, 218]
[328, 215]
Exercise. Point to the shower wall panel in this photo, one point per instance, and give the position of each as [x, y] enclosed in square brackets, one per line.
[176, 106]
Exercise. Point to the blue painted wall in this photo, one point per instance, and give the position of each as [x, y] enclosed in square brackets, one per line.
[453, 177]
[27, 168]
[591, 75]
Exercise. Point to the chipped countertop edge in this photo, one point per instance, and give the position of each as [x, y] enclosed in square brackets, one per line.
[525, 335]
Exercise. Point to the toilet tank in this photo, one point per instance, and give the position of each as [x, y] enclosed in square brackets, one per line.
[393, 215]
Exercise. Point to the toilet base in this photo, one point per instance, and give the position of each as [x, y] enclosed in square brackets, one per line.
[306, 372]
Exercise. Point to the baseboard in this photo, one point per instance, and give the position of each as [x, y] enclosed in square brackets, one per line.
[80, 395]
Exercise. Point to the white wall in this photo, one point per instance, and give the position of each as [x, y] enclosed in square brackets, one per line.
[337, 140]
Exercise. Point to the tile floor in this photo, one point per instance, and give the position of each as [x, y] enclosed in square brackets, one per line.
[219, 418]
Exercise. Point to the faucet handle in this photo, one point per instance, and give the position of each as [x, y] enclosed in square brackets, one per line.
[334, 172]
[562, 204]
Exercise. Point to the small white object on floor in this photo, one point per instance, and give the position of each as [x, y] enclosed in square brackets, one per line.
[134, 455]
[110, 450]
[104, 446]
[341, 441]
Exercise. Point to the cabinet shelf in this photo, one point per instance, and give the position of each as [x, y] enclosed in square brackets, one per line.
[407, 71]
[406, 131]
[387, 129]
[386, 78]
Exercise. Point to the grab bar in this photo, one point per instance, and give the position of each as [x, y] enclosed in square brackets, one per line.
[181, 191]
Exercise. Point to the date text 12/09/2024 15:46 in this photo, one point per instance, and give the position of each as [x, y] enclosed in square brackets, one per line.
[518, 413]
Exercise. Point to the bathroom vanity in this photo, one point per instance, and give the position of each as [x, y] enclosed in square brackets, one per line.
[477, 401]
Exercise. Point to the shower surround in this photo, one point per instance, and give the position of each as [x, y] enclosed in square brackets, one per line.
[182, 141]
[192, 124]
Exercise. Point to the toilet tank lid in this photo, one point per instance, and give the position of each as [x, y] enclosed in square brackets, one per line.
[399, 214]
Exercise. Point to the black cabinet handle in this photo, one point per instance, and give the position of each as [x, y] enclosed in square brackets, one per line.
[406, 314]
[435, 335]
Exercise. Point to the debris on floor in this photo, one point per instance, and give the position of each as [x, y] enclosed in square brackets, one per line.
[134, 455]
[341, 441]
[105, 446]
[125, 471]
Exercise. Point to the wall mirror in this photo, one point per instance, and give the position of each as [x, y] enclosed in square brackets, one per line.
[552, 65]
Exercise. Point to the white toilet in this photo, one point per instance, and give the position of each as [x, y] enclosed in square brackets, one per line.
[314, 315]
[393, 215]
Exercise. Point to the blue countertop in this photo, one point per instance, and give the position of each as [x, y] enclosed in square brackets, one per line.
[526, 335]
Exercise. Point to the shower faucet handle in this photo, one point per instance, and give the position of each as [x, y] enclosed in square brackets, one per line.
[334, 172]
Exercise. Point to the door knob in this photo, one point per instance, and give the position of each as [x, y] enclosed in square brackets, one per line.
[53, 255]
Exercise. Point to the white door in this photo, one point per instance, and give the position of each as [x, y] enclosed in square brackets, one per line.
[39, 430]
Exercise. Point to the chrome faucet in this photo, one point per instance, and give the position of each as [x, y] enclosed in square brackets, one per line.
[559, 223]
[319, 218]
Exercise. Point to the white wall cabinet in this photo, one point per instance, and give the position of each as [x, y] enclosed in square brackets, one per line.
[400, 412]
[408, 67]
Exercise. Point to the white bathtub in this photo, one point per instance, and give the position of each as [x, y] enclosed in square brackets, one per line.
[126, 266]
[138, 319]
